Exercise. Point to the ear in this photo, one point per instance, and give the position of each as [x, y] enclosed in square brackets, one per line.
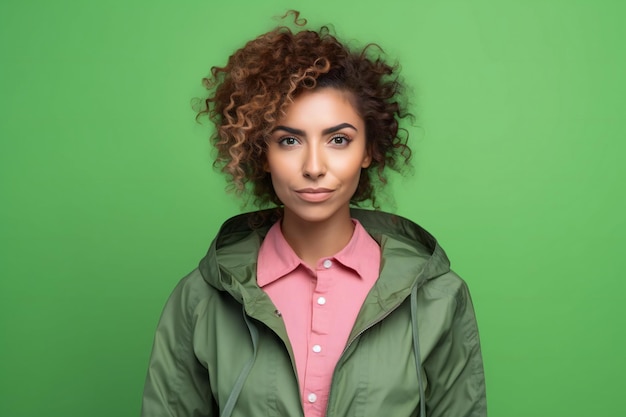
[367, 159]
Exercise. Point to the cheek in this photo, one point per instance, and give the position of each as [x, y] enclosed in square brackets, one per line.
[279, 169]
[350, 170]
[281, 174]
[273, 164]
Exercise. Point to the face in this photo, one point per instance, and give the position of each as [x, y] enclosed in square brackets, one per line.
[315, 155]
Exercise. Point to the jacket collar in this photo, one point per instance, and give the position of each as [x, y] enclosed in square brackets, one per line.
[410, 255]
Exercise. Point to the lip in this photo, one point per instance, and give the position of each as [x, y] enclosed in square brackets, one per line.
[314, 195]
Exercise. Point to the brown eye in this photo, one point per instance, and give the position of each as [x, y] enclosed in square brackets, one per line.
[339, 140]
[288, 141]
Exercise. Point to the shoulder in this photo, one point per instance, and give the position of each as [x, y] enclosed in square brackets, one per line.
[189, 293]
[380, 222]
[448, 285]
[446, 300]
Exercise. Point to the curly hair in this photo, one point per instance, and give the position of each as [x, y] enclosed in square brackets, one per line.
[250, 94]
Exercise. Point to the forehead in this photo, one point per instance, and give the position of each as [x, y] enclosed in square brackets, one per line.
[322, 106]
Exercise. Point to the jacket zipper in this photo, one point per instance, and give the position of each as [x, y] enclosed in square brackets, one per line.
[366, 328]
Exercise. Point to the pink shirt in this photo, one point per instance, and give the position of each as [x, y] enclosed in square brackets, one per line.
[311, 301]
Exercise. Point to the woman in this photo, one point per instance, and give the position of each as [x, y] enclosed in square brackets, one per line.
[314, 308]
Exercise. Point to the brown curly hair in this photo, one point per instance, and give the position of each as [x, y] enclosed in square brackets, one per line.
[250, 94]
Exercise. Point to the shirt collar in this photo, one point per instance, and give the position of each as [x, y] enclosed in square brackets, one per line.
[277, 259]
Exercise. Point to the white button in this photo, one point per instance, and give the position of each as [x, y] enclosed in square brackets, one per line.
[321, 301]
[317, 348]
[327, 263]
[312, 398]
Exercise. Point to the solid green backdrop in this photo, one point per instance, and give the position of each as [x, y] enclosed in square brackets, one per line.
[108, 195]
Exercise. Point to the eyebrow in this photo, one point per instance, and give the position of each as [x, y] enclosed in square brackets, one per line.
[326, 131]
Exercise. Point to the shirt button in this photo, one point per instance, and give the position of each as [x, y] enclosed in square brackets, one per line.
[312, 398]
[327, 263]
[321, 301]
[317, 348]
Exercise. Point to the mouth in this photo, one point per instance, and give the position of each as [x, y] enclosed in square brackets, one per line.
[314, 190]
[314, 195]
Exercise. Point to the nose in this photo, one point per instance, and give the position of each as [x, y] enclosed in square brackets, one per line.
[314, 164]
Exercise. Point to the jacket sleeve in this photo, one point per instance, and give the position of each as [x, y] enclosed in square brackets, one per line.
[456, 381]
[177, 385]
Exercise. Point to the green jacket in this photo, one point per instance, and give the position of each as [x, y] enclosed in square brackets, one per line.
[221, 349]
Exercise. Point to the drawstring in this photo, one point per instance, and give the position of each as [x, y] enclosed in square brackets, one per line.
[241, 379]
[416, 351]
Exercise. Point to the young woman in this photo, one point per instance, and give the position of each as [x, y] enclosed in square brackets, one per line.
[315, 307]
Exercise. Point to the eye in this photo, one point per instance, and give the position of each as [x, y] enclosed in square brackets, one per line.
[288, 141]
[340, 140]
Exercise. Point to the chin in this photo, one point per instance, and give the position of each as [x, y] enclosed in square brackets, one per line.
[317, 214]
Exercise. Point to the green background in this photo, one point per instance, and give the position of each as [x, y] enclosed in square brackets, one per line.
[108, 196]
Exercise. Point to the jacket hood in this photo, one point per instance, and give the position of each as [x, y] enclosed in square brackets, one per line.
[410, 255]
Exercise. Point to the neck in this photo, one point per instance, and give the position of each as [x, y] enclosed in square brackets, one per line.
[314, 240]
